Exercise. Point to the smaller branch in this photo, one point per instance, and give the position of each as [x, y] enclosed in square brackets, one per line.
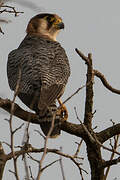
[78, 148]
[6, 10]
[76, 92]
[91, 138]
[18, 111]
[45, 146]
[6, 144]
[104, 147]
[1, 31]
[78, 165]
[112, 122]
[61, 166]
[105, 82]
[2, 160]
[40, 134]
[33, 158]
[108, 133]
[12, 172]
[112, 155]
[10, 124]
[10, 11]
[30, 149]
[4, 21]
[18, 128]
[94, 113]
[111, 162]
[94, 138]
[86, 59]
[49, 165]
[31, 176]
[26, 167]
[111, 143]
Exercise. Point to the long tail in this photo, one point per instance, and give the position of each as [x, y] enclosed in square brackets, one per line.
[46, 121]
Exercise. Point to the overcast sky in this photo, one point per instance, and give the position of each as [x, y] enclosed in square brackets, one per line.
[91, 26]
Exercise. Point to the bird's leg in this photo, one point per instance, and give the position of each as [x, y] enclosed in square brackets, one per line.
[63, 110]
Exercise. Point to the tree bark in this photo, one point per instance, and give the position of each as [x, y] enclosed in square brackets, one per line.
[2, 161]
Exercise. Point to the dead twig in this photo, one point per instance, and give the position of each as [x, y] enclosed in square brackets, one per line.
[61, 166]
[18, 128]
[10, 11]
[116, 138]
[49, 165]
[40, 134]
[31, 176]
[45, 147]
[78, 148]
[105, 82]
[2, 160]
[85, 58]
[10, 124]
[1, 31]
[91, 138]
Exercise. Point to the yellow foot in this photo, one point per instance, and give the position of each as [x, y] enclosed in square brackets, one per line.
[62, 110]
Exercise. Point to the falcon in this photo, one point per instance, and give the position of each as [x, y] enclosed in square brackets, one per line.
[44, 68]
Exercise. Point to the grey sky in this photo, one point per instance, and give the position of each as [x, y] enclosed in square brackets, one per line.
[91, 26]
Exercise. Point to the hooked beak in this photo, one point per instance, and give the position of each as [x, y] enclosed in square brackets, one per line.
[60, 25]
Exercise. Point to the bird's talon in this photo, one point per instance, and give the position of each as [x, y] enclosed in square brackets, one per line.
[63, 113]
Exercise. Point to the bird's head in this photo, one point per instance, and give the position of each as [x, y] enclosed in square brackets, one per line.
[45, 24]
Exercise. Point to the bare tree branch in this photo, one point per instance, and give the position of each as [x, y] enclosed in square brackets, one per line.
[10, 124]
[2, 160]
[61, 166]
[7, 9]
[49, 165]
[10, 11]
[31, 173]
[111, 162]
[78, 148]
[45, 147]
[94, 141]
[108, 133]
[85, 58]
[1, 30]
[116, 138]
[105, 82]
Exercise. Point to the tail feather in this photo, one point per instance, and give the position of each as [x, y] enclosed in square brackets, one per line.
[49, 95]
[46, 122]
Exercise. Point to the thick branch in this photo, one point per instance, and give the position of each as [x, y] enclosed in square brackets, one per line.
[74, 129]
[111, 162]
[89, 89]
[108, 133]
[18, 111]
[89, 94]
[114, 147]
[31, 149]
[105, 82]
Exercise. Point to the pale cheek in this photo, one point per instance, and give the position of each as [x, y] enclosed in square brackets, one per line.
[42, 26]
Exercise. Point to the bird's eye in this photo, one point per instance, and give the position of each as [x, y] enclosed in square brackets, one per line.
[58, 21]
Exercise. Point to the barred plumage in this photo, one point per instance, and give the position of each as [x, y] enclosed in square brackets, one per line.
[45, 71]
